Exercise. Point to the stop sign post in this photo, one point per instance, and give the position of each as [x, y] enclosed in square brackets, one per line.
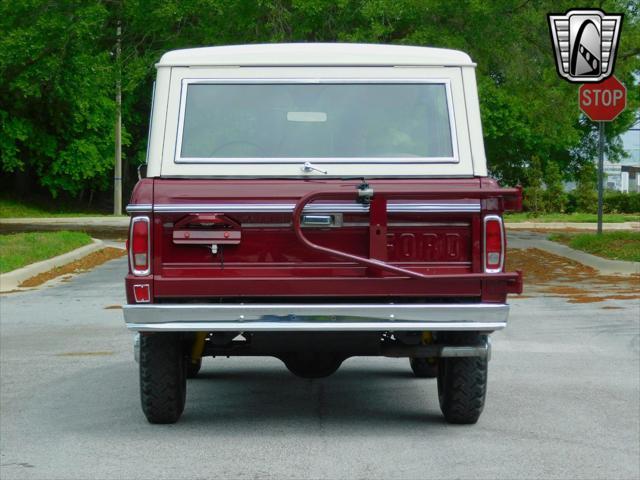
[602, 102]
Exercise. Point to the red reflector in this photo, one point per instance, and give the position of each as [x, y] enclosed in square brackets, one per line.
[493, 244]
[139, 246]
[141, 293]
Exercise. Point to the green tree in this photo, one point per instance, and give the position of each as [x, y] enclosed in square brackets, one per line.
[56, 107]
[533, 193]
[585, 193]
[555, 198]
[57, 72]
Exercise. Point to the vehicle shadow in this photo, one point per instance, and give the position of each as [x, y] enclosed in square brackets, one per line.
[244, 396]
[356, 396]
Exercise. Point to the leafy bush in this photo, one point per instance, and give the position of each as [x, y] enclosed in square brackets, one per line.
[613, 202]
[618, 202]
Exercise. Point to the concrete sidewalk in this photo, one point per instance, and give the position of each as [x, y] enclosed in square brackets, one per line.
[101, 227]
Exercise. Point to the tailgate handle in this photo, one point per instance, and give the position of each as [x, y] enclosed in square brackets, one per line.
[317, 220]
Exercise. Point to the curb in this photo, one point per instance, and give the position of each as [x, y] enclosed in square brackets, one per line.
[9, 281]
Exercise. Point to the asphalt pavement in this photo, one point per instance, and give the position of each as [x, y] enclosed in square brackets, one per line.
[563, 401]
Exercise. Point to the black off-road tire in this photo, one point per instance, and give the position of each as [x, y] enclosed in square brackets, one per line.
[163, 381]
[462, 383]
[424, 367]
[312, 365]
[193, 368]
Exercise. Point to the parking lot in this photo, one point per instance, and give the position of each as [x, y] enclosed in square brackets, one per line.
[562, 403]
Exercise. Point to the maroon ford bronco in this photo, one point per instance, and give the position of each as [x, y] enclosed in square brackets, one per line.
[315, 202]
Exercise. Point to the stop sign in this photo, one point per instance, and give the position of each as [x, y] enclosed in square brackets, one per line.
[604, 101]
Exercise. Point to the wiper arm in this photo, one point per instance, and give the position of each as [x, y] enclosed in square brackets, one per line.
[308, 168]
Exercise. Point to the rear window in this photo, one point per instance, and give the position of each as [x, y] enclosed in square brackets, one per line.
[280, 122]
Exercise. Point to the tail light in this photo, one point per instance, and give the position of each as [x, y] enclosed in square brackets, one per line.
[494, 244]
[141, 293]
[139, 246]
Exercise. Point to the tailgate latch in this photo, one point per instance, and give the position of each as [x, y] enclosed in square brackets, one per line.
[207, 229]
[365, 193]
[213, 230]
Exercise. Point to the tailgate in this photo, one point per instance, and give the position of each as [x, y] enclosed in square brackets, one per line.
[219, 238]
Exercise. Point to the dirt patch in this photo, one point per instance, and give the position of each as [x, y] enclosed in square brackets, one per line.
[611, 307]
[82, 265]
[563, 290]
[633, 291]
[561, 277]
[622, 297]
[585, 299]
[113, 307]
[540, 267]
[588, 299]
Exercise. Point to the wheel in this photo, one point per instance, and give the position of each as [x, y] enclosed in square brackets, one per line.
[193, 368]
[424, 367]
[462, 383]
[312, 365]
[163, 382]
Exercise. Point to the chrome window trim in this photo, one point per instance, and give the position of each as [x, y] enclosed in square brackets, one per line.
[141, 207]
[313, 208]
[319, 317]
[185, 82]
[486, 219]
[135, 271]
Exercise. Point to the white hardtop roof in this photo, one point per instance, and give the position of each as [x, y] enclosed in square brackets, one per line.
[315, 54]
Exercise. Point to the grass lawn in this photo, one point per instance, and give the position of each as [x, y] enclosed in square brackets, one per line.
[10, 208]
[572, 217]
[20, 249]
[614, 245]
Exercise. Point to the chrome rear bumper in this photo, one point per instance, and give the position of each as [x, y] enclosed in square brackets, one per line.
[486, 317]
